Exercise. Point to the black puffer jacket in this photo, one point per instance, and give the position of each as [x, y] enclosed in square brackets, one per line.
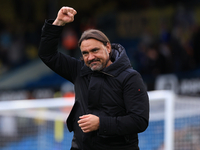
[116, 94]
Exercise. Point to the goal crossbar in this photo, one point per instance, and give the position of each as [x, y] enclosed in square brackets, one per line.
[39, 103]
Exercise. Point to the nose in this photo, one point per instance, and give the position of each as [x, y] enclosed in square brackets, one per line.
[91, 56]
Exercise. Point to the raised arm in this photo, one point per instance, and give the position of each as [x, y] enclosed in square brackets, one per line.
[60, 63]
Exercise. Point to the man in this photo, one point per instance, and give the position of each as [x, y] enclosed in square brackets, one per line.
[111, 103]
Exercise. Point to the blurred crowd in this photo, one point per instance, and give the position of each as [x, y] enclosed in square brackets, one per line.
[19, 34]
[18, 45]
[176, 49]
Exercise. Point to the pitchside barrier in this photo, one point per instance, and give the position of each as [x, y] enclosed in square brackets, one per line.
[40, 124]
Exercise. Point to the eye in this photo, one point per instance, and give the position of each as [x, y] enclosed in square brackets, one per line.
[84, 53]
[95, 50]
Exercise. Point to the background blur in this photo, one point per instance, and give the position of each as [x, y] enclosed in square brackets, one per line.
[161, 38]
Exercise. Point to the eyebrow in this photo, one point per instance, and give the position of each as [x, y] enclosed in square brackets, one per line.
[96, 48]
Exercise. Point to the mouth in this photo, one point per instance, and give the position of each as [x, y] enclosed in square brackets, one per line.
[92, 64]
[95, 65]
[93, 61]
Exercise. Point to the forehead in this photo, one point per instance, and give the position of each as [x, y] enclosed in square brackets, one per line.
[90, 44]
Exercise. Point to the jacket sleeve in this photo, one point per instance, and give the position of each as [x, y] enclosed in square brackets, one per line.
[137, 110]
[60, 63]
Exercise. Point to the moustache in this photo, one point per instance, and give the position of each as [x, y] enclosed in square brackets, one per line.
[90, 61]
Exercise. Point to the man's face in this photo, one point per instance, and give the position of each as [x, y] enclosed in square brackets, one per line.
[95, 54]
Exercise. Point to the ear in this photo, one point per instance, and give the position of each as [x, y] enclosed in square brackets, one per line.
[108, 46]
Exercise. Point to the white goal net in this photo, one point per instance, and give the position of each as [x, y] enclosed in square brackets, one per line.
[35, 124]
[174, 123]
[40, 124]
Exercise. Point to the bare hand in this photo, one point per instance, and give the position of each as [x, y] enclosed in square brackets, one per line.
[65, 15]
[89, 123]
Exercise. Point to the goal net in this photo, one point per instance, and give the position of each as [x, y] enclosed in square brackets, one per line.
[174, 123]
[35, 124]
[40, 124]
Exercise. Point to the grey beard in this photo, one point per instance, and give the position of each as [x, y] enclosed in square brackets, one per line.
[100, 67]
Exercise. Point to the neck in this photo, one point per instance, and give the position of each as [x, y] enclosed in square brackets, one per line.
[108, 63]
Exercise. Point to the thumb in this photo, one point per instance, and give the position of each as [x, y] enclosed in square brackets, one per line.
[70, 14]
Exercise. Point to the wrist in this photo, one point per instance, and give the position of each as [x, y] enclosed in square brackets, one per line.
[58, 23]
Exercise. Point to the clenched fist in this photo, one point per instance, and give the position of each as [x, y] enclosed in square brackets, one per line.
[65, 15]
[89, 123]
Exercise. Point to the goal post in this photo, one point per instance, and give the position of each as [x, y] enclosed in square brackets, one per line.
[169, 98]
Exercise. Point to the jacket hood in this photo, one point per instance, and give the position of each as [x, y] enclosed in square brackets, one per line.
[120, 62]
